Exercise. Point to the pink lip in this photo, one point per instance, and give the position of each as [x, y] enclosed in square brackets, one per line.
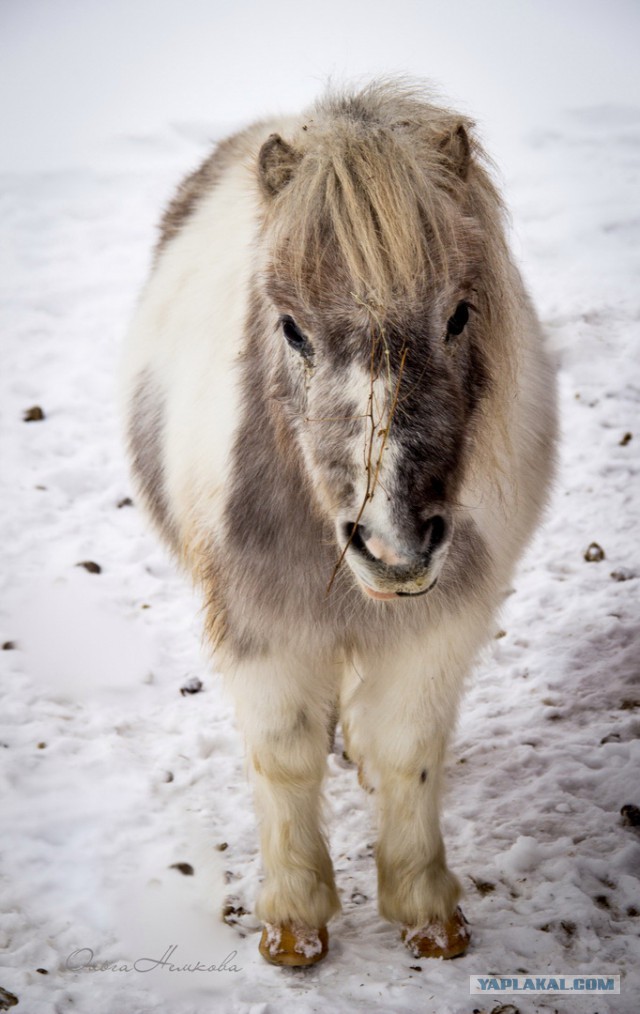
[379, 595]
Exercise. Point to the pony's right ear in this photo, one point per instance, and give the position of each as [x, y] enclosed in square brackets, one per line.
[456, 148]
[277, 162]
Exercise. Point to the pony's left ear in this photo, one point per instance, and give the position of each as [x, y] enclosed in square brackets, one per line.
[277, 163]
[456, 147]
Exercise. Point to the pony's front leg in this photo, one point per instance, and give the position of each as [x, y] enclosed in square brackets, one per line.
[397, 722]
[284, 707]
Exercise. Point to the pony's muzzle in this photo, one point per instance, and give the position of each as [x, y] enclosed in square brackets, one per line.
[386, 569]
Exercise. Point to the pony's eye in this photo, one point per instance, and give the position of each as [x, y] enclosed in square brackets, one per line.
[296, 339]
[457, 323]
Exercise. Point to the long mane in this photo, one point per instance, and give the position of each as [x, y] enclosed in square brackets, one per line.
[378, 184]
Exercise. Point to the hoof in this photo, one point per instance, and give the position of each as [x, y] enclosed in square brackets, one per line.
[439, 939]
[294, 946]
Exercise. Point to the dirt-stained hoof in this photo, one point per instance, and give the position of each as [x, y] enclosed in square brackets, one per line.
[439, 939]
[294, 946]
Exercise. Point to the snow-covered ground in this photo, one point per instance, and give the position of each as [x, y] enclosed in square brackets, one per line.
[110, 775]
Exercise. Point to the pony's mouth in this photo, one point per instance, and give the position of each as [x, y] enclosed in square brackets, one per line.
[381, 596]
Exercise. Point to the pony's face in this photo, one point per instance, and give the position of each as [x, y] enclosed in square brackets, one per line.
[382, 410]
[380, 390]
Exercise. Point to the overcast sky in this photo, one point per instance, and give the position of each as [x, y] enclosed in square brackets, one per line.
[76, 73]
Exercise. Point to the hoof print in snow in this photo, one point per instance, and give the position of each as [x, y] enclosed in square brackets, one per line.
[125, 502]
[192, 686]
[613, 737]
[626, 438]
[90, 566]
[7, 999]
[630, 815]
[504, 1008]
[622, 574]
[223, 846]
[232, 912]
[185, 868]
[33, 414]
[9, 646]
[594, 553]
[483, 887]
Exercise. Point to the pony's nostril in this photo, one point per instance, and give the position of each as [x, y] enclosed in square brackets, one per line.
[356, 535]
[434, 532]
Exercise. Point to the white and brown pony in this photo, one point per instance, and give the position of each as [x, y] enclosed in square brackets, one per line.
[341, 420]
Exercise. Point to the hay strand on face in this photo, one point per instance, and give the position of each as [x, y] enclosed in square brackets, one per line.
[390, 404]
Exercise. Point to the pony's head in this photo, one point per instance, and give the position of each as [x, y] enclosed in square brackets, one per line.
[382, 266]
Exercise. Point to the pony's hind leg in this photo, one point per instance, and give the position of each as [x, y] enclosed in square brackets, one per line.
[397, 720]
[283, 709]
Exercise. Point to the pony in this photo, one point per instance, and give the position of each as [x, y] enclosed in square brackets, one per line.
[341, 420]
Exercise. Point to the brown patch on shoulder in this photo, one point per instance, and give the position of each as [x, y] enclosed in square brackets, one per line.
[146, 434]
[224, 628]
[216, 615]
[199, 555]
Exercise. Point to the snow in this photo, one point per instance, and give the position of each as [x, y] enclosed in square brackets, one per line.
[110, 775]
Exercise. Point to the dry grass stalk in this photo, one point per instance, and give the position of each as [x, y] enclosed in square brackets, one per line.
[378, 361]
